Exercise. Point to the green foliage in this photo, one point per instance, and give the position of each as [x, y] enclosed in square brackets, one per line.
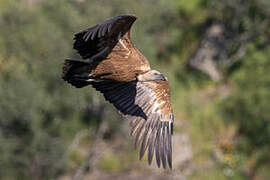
[40, 114]
[248, 106]
[111, 163]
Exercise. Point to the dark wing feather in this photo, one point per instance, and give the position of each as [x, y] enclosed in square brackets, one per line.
[147, 106]
[121, 95]
[98, 41]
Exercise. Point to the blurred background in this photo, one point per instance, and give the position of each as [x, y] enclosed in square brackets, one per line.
[214, 52]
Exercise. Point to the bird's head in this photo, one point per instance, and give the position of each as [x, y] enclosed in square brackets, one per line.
[151, 76]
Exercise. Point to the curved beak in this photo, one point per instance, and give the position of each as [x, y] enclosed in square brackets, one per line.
[161, 77]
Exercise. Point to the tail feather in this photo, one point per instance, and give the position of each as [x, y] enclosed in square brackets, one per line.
[74, 72]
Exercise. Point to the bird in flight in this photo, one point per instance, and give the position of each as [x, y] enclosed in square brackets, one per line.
[123, 75]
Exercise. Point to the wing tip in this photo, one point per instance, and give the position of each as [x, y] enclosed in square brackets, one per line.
[161, 145]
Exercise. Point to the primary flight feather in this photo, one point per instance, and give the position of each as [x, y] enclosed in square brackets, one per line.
[123, 75]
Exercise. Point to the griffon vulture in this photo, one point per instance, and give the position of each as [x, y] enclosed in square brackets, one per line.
[123, 75]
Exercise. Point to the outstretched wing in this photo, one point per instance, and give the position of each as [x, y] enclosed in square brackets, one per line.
[147, 106]
[110, 39]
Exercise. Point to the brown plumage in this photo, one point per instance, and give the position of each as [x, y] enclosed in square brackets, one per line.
[119, 71]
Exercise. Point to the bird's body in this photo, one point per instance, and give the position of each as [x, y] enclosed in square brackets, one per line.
[119, 71]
